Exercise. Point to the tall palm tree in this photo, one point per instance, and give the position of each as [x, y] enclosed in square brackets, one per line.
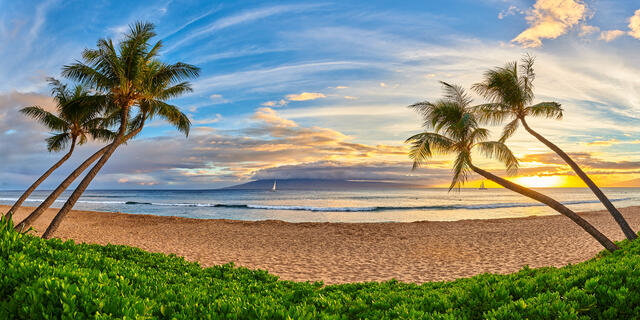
[72, 125]
[510, 92]
[132, 77]
[456, 130]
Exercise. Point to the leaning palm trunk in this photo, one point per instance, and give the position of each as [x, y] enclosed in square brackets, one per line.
[29, 220]
[617, 216]
[35, 185]
[555, 205]
[73, 198]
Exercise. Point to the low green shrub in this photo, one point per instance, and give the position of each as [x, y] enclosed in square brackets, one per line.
[51, 279]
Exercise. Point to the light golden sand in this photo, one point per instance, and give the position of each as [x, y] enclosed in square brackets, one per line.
[350, 252]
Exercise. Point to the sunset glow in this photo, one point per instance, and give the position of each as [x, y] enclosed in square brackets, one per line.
[541, 181]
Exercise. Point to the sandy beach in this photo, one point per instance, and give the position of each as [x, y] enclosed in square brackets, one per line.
[351, 252]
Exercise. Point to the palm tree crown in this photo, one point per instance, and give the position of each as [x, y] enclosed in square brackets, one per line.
[455, 130]
[509, 90]
[130, 75]
[74, 122]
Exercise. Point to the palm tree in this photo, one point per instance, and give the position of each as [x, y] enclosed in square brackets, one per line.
[71, 125]
[136, 125]
[132, 78]
[456, 130]
[510, 92]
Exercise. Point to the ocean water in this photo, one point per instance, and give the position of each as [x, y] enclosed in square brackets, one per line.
[402, 205]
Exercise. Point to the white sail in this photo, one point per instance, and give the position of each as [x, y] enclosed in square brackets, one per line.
[482, 186]
[274, 186]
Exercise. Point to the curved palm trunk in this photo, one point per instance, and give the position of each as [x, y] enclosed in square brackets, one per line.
[73, 198]
[28, 221]
[43, 177]
[555, 205]
[626, 229]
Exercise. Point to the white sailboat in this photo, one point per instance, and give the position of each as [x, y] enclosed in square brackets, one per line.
[274, 186]
[482, 186]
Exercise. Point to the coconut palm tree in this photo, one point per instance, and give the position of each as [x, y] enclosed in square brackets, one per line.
[131, 76]
[456, 131]
[71, 126]
[174, 117]
[509, 90]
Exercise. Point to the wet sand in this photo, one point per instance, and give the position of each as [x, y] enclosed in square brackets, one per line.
[351, 252]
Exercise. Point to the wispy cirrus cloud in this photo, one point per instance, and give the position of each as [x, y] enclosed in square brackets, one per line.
[237, 19]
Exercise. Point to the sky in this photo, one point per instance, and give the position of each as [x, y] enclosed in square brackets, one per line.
[320, 89]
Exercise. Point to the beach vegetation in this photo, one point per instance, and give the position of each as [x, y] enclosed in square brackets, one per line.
[52, 279]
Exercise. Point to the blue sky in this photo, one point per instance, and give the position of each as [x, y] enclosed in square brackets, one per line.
[320, 89]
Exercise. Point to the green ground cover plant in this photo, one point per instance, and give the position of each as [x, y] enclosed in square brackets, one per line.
[52, 279]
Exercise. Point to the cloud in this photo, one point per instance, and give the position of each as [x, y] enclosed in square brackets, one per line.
[634, 25]
[218, 99]
[549, 19]
[351, 98]
[305, 96]
[584, 159]
[236, 19]
[512, 10]
[611, 35]
[611, 142]
[210, 120]
[279, 103]
[586, 30]
[382, 84]
[293, 97]
[270, 145]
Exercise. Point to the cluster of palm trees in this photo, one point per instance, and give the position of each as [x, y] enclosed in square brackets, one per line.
[118, 87]
[453, 125]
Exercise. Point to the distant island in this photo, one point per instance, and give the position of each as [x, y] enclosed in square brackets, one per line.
[320, 184]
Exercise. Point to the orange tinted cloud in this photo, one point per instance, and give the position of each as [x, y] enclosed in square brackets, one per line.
[305, 96]
[549, 19]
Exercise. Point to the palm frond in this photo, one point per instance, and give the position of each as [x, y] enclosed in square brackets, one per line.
[456, 93]
[550, 110]
[499, 151]
[509, 130]
[102, 134]
[491, 113]
[58, 142]
[478, 134]
[85, 74]
[51, 121]
[424, 144]
[174, 91]
[461, 170]
[171, 114]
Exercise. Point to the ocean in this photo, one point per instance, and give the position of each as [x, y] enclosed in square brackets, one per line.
[367, 205]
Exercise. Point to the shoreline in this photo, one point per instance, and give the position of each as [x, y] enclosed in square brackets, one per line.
[338, 252]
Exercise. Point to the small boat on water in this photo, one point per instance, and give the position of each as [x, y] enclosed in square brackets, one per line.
[274, 186]
[481, 186]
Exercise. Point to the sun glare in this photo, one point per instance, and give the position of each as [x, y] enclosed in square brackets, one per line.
[540, 181]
